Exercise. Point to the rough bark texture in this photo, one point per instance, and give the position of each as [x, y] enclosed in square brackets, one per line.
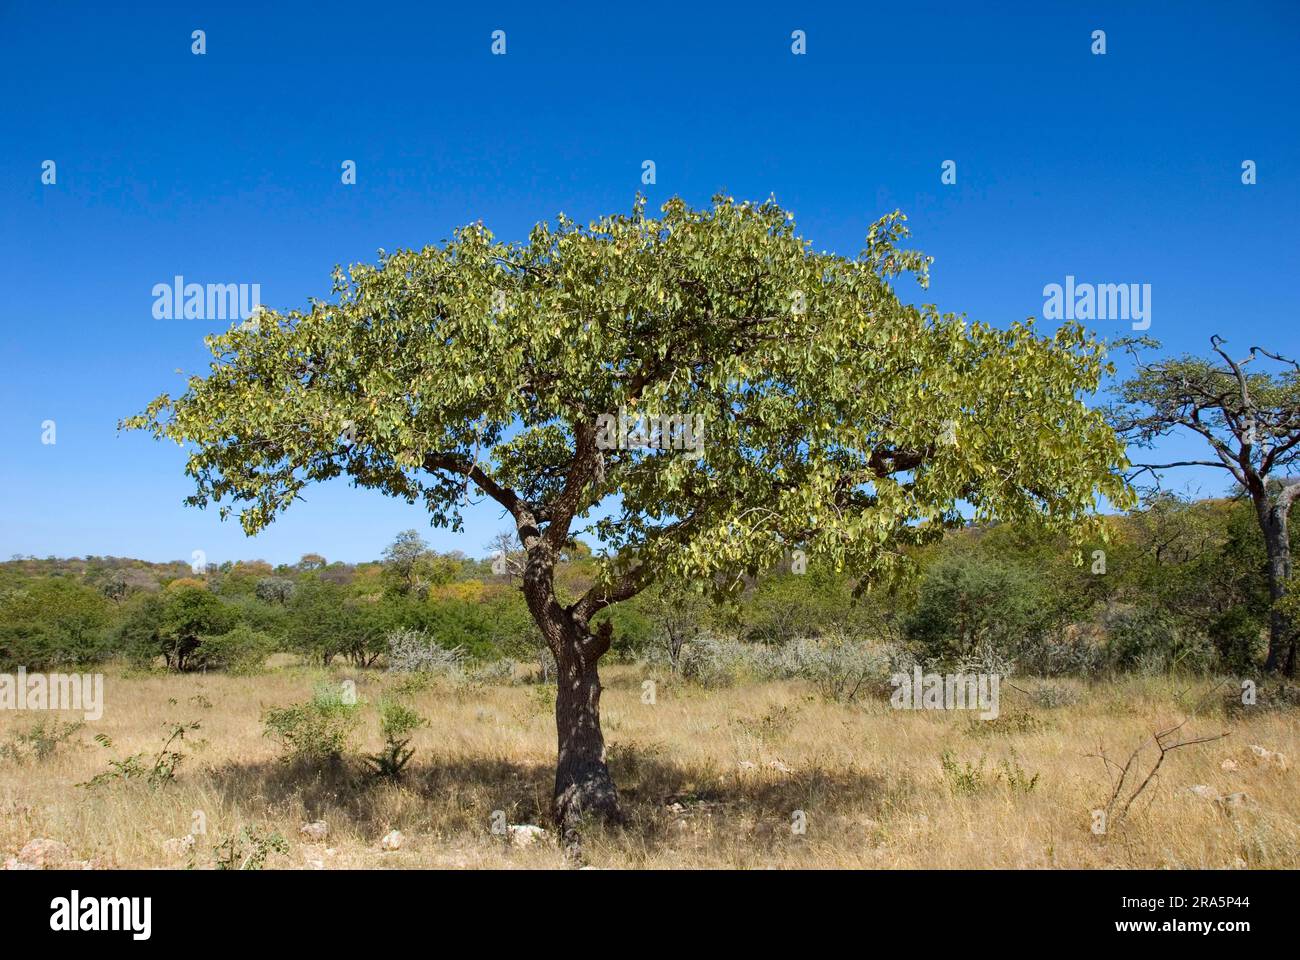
[1273, 522]
[583, 785]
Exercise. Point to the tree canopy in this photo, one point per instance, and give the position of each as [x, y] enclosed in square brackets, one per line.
[836, 416]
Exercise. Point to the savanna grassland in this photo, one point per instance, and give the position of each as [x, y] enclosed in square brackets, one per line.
[709, 777]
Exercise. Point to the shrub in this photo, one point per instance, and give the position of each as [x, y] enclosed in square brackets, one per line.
[1053, 695]
[966, 777]
[53, 622]
[242, 650]
[397, 722]
[716, 662]
[840, 670]
[1148, 640]
[497, 673]
[975, 601]
[249, 849]
[158, 771]
[414, 651]
[1238, 639]
[318, 730]
[41, 741]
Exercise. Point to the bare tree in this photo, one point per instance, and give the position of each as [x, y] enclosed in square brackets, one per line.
[1250, 418]
[507, 555]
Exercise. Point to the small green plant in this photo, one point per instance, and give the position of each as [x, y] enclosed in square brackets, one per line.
[543, 698]
[158, 772]
[41, 741]
[317, 730]
[1016, 778]
[248, 849]
[967, 778]
[397, 722]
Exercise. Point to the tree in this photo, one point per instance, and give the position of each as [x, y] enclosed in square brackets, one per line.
[322, 625]
[1250, 418]
[506, 555]
[274, 590]
[838, 418]
[53, 621]
[402, 559]
[187, 615]
[411, 567]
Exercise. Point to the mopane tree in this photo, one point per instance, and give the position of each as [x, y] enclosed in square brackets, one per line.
[1249, 417]
[762, 395]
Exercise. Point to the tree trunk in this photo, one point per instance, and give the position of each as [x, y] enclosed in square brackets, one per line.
[1273, 521]
[583, 786]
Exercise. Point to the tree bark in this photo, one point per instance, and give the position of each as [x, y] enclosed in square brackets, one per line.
[1273, 521]
[583, 785]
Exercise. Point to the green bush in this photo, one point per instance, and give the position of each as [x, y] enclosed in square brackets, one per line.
[972, 602]
[242, 650]
[397, 722]
[1150, 640]
[53, 622]
[318, 730]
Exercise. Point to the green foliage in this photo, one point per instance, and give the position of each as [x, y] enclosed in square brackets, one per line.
[324, 622]
[241, 650]
[411, 568]
[249, 849]
[53, 622]
[838, 417]
[973, 601]
[317, 731]
[189, 614]
[965, 777]
[157, 771]
[397, 722]
[41, 740]
[1147, 640]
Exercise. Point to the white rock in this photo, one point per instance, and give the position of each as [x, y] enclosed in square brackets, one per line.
[178, 847]
[1230, 765]
[44, 853]
[778, 765]
[314, 832]
[13, 863]
[1266, 757]
[525, 834]
[392, 840]
[1203, 791]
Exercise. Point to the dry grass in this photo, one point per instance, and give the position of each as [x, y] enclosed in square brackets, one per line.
[710, 778]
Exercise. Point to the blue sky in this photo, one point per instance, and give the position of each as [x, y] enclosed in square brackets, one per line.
[1123, 168]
